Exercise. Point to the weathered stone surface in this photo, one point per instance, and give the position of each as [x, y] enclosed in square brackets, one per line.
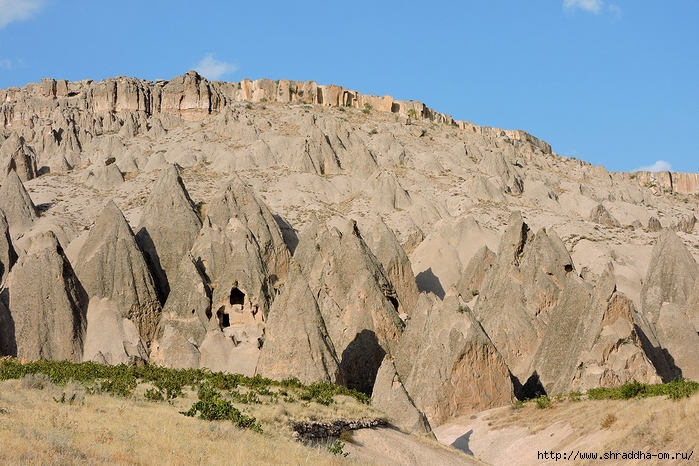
[520, 290]
[110, 265]
[18, 207]
[239, 202]
[297, 343]
[456, 368]
[672, 275]
[111, 338]
[389, 396]
[168, 227]
[356, 300]
[654, 224]
[185, 319]
[679, 338]
[47, 303]
[602, 216]
[385, 246]
[16, 155]
[472, 278]
[102, 176]
[8, 256]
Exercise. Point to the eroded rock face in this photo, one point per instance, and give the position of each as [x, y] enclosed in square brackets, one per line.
[297, 343]
[16, 204]
[168, 227]
[389, 395]
[47, 303]
[8, 256]
[356, 300]
[17, 156]
[110, 265]
[455, 368]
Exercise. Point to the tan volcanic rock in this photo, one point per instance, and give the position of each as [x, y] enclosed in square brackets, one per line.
[357, 301]
[389, 395]
[602, 216]
[168, 228]
[185, 319]
[16, 156]
[110, 265]
[456, 368]
[18, 207]
[239, 202]
[297, 343]
[47, 302]
[8, 256]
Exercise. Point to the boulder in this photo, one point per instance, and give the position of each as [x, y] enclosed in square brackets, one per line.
[602, 216]
[47, 303]
[654, 224]
[110, 265]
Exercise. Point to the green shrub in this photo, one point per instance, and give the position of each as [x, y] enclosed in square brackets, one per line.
[543, 402]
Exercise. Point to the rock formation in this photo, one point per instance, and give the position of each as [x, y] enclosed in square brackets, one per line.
[168, 227]
[47, 303]
[16, 204]
[110, 265]
[8, 256]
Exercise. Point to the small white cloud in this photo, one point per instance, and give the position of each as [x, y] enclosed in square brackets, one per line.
[616, 10]
[593, 6]
[5, 63]
[659, 166]
[18, 10]
[211, 68]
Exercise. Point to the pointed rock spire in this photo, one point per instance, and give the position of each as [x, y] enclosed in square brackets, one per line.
[18, 207]
[168, 227]
[8, 256]
[110, 265]
[47, 302]
[297, 343]
[16, 155]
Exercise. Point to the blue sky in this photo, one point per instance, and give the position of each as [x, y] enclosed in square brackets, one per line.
[612, 82]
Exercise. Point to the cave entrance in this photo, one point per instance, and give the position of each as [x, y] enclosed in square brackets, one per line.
[224, 320]
[237, 297]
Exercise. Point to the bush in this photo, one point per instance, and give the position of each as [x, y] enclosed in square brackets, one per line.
[543, 402]
[213, 407]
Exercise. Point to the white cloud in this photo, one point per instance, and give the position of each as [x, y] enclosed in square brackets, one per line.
[659, 166]
[593, 6]
[18, 10]
[211, 68]
[5, 63]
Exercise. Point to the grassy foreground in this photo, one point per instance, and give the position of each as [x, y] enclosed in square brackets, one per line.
[64, 413]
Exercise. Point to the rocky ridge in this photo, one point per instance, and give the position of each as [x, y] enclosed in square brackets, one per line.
[290, 229]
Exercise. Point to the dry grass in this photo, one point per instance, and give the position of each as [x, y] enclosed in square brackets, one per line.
[99, 429]
[647, 424]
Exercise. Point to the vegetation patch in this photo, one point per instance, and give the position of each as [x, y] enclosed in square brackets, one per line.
[675, 390]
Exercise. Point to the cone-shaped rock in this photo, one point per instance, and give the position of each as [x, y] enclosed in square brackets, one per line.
[356, 299]
[472, 278]
[238, 201]
[672, 275]
[385, 246]
[8, 256]
[456, 369]
[18, 207]
[616, 356]
[185, 320]
[389, 396]
[102, 177]
[519, 291]
[47, 303]
[297, 343]
[110, 265]
[168, 227]
[16, 156]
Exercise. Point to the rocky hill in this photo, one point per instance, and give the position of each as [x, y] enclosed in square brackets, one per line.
[297, 230]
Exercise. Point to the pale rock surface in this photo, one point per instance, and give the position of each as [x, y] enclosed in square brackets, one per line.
[168, 227]
[389, 395]
[17, 206]
[102, 177]
[47, 303]
[602, 216]
[8, 256]
[185, 319]
[456, 369]
[16, 155]
[297, 343]
[110, 265]
[111, 338]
